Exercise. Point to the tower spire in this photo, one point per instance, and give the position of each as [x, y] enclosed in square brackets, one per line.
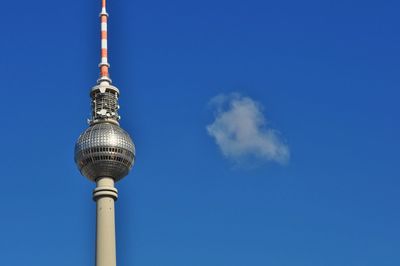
[104, 95]
[104, 65]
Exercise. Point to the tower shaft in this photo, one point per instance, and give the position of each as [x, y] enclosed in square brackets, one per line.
[105, 194]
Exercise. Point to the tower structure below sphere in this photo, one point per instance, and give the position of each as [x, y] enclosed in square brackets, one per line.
[104, 152]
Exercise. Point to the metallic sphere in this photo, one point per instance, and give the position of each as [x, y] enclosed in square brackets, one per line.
[104, 150]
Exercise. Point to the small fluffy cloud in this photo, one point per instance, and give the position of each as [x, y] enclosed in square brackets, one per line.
[240, 130]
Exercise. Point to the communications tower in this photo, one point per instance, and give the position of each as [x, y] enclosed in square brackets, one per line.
[104, 153]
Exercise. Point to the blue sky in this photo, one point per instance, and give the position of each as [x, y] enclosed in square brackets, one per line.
[322, 77]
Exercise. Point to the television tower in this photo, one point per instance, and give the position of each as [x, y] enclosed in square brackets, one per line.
[104, 153]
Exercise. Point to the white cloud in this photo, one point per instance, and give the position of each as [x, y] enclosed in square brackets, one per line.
[240, 130]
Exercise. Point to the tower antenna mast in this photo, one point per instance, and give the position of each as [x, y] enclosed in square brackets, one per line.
[104, 65]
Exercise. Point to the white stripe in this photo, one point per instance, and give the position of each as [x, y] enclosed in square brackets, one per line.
[104, 60]
[103, 43]
[104, 26]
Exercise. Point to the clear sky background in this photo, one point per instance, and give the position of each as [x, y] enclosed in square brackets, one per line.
[296, 163]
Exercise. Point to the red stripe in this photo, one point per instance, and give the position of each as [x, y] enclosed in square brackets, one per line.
[104, 52]
[104, 71]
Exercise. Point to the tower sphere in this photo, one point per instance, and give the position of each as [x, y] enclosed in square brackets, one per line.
[104, 150]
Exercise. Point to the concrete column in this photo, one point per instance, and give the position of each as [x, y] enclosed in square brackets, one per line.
[105, 194]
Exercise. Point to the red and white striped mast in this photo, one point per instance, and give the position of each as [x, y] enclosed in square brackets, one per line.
[104, 65]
